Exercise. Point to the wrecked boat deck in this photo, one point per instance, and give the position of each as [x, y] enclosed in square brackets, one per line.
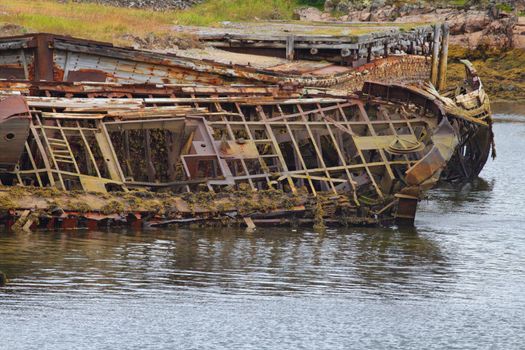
[349, 44]
[97, 135]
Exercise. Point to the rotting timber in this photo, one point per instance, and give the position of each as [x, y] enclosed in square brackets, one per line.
[112, 145]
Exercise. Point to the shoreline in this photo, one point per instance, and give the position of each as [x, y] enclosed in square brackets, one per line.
[508, 107]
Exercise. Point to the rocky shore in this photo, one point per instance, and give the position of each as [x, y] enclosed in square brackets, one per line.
[492, 35]
[492, 25]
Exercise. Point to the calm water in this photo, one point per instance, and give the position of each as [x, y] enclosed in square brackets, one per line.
[456, 281]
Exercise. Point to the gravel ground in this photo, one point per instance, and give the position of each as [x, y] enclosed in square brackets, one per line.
[151, 4]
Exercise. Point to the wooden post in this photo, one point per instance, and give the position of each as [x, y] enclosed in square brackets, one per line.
[290, 41]
[43, 58]
[3, 279]
[249, 222]
[435, 55]
[149, 160]
[443, 57]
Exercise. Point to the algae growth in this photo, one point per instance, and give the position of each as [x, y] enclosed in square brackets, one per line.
[501, 72]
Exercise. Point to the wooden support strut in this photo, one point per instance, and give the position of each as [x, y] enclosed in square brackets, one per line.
[108, 153]
[43, 58]
[290, 51]
[435, 55]
[443, 57]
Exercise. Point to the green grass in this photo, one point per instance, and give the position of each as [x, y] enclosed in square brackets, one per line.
[313, 3]
[211, 13]
[459, 3]
[505, 7]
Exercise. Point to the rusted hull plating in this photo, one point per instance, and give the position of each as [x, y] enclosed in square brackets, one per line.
[14, 119]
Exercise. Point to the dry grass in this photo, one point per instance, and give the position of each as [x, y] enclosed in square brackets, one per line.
[106, 23]
[88, 21]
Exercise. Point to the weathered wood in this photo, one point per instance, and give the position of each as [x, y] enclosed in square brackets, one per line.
[290, 50]
[435, 55]
[443, 58]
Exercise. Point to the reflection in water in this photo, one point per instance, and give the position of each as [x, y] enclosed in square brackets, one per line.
[398, 262]
[454, 197]
[274, 262]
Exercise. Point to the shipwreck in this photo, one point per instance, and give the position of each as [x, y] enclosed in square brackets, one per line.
[334, 130]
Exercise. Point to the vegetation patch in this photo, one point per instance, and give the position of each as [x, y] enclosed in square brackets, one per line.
[6, 203]
[212, 13]
[113, 207]
[501, 72]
